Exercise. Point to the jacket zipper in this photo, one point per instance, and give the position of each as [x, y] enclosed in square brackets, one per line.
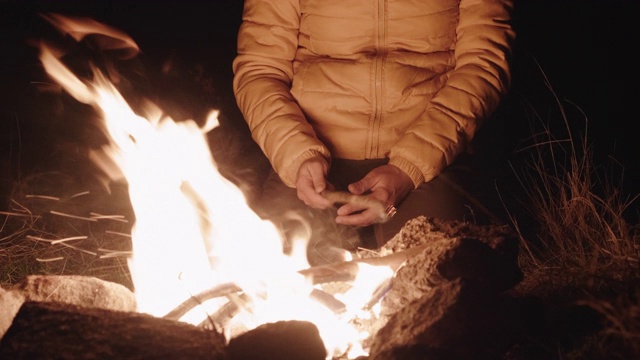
[378, 75]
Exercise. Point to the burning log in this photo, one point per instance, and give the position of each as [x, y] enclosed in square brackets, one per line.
[48, 330]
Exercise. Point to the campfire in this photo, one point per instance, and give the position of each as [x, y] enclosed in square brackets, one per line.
[201, 256]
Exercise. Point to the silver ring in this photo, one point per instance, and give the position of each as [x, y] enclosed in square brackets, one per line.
[390, 211]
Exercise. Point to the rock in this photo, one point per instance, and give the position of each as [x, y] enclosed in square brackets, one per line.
[448, 300]
[448, 259]
[455, 320]
[74, 289]
[48, 330]
[10, 303]
[283, 340]
[77, 290]
[422, 230]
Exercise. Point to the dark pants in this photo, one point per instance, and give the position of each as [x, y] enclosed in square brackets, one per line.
[459, 193]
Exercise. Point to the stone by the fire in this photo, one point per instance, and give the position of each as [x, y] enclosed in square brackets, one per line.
[450, 259]
[50, 330]
[283, 340]
[69, 289]
[78, 290]
[455, 320]
[422, 230]
[450, 250]
[448, 297]
[10, 302]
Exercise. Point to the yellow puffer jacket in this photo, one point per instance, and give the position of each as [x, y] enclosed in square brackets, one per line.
[409, 80]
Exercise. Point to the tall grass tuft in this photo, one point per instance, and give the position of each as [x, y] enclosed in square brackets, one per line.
[579, 246]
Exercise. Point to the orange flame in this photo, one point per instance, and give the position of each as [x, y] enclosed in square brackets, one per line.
[194, 229]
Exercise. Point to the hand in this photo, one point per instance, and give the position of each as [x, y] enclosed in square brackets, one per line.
[311, 181]
[387, 184]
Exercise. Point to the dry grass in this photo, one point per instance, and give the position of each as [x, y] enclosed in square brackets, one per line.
[582, 250]
[53, 225]
[621, 329]
[580, 231]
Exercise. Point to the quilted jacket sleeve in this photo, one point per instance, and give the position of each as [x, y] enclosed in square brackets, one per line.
[263, 72]
[473, 90]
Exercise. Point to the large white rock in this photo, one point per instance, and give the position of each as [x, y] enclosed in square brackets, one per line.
[70, 289]
[10, 302]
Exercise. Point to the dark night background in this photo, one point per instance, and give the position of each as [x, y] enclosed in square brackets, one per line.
[584, 47]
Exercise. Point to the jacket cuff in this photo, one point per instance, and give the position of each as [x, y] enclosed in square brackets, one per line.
[413, 171]
[288, 175]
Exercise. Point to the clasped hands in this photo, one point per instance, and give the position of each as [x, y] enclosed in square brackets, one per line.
[387, 184]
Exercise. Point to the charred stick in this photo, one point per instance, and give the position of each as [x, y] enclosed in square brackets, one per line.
[229, 310]
[347, 271]
[330, 302]
[343, 271]
[195, 300]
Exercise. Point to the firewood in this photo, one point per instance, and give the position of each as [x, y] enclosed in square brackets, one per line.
[450, 258]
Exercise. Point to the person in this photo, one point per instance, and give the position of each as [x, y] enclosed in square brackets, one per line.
[381, 99]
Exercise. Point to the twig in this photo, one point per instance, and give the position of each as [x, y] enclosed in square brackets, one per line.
[79, 249]
[71, 216]
[31, 237]
[22, 206]
[46, 197]
[120, 218]
[114, 253]
[82, 237]
[50, 259]
[15, 214]
[195, 300]
[117, 233]
[79, 194]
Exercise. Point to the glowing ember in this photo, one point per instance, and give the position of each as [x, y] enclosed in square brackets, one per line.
[194, 229]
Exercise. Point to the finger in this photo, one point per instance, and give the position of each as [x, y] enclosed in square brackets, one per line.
[319, 182]
[313, 199]
[303, 187]
[318, 201]
[364, 218]
[361, 186]
[315, 171]
[350, 208]
[309, 196]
